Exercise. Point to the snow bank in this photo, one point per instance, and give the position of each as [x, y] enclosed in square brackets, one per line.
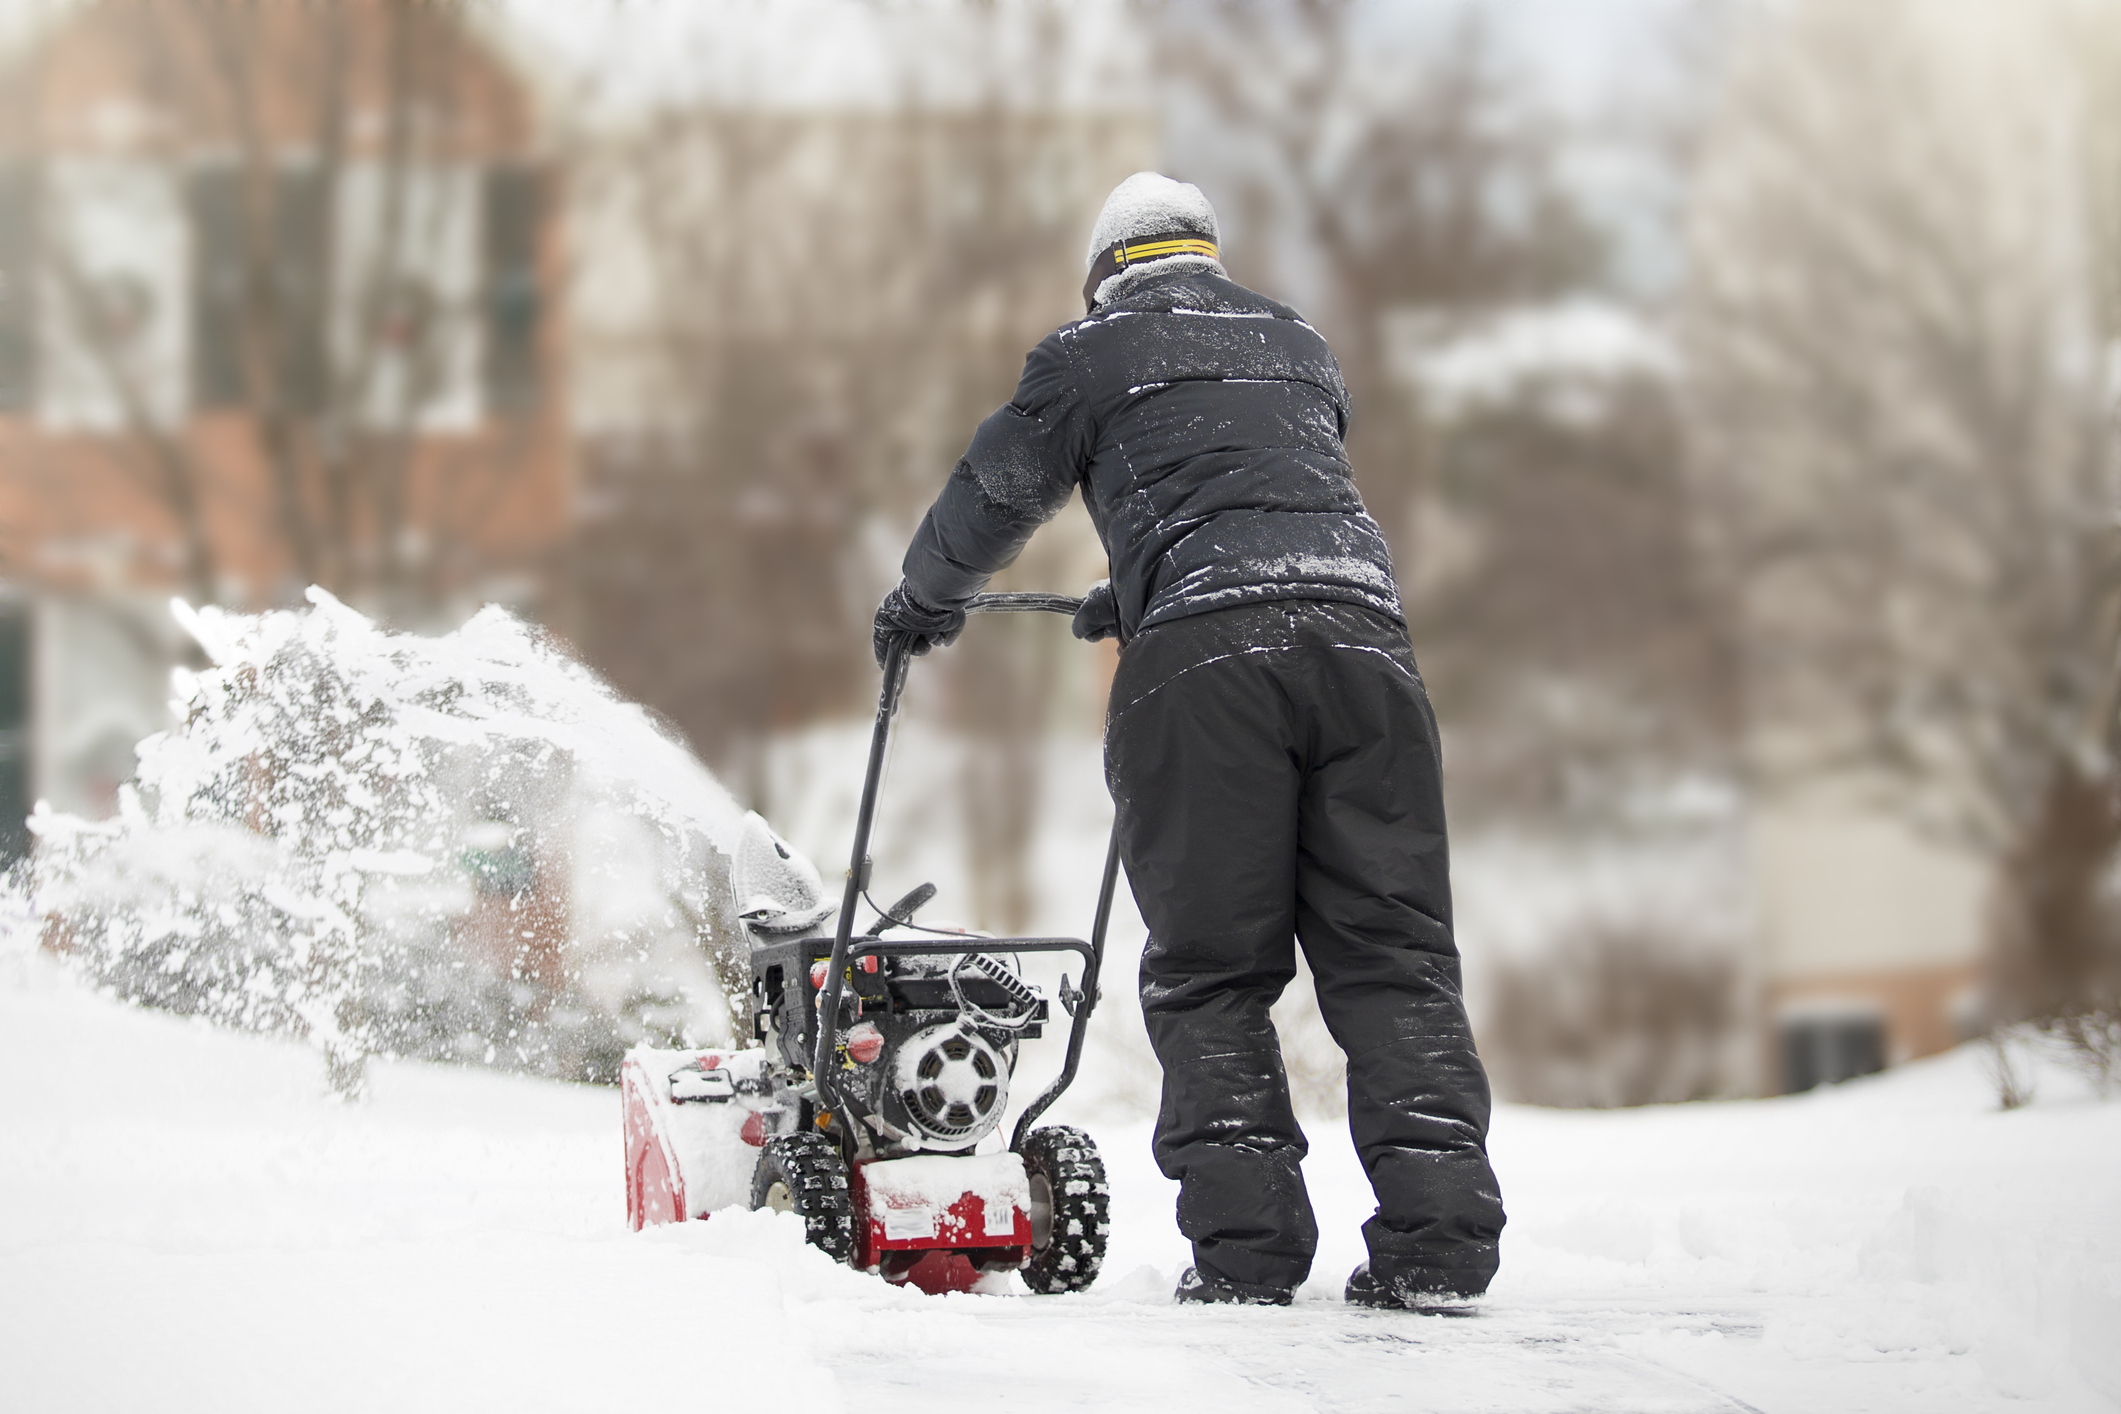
[464, 846]
[187, 1225]
[1562, 351]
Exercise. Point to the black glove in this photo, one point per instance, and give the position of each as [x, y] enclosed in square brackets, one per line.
[1099, 616]
[924, 628]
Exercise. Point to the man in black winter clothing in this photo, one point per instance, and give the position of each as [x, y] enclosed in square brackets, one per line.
[1268, 743]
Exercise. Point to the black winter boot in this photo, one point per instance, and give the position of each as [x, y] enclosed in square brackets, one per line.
[1195, 1286]
[1365, 1290]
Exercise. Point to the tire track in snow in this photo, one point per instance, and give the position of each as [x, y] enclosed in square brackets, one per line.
[1317, 1356]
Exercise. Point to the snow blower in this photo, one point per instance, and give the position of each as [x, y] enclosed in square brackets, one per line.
[884, 1057]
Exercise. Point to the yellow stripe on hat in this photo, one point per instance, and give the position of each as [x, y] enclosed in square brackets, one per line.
[1154, 250]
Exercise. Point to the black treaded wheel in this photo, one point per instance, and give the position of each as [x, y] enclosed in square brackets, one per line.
[1071, 1210]
[804, 1174]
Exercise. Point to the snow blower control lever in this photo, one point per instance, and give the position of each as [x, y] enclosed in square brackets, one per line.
[1078, 1003]
[902, 912]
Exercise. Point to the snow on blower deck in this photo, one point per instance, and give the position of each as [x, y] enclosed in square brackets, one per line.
[697, 1121]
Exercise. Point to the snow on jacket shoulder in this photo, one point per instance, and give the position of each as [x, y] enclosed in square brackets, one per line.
[1204, 423]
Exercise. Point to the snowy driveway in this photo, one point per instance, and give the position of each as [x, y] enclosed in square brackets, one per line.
[185, 1224]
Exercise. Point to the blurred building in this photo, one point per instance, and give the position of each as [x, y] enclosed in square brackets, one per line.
[1587, 688]
[278, 295]
[1871, 938]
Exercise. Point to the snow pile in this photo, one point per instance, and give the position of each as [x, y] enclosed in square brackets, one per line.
[462, 847]
[1560, 355]
[187, 1225]
[1608, 969]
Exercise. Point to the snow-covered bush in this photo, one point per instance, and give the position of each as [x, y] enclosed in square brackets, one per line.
[1608, 969]
[1632, 1013]
[463, 847]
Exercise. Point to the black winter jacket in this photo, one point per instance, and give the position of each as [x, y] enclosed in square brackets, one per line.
[1204, 424]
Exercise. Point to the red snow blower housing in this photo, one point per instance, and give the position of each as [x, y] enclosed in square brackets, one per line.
[868, 1125]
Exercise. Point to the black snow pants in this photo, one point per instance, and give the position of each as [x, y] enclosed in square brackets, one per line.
[1277, 776]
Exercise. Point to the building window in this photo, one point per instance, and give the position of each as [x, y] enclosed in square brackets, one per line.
[18, 289]
[222, 261]
[514, 201]
[1827, 1047]
[217, 288]
[299, 213]
[14, 731]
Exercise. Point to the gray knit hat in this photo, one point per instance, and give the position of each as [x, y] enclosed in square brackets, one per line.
[1145, 206]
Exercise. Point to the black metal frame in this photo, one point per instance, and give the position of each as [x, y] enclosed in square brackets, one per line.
[845, 947]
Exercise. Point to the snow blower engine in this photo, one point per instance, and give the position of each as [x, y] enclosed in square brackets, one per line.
[884, 1060]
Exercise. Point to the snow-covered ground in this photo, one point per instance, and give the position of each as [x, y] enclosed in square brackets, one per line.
[186, 1222]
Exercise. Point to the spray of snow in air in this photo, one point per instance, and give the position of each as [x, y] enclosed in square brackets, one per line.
[463, 847]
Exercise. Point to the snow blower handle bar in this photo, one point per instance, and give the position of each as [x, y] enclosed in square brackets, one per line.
[896, 661]
[1024, 604]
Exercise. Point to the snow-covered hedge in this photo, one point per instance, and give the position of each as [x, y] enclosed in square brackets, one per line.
[461, 847]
